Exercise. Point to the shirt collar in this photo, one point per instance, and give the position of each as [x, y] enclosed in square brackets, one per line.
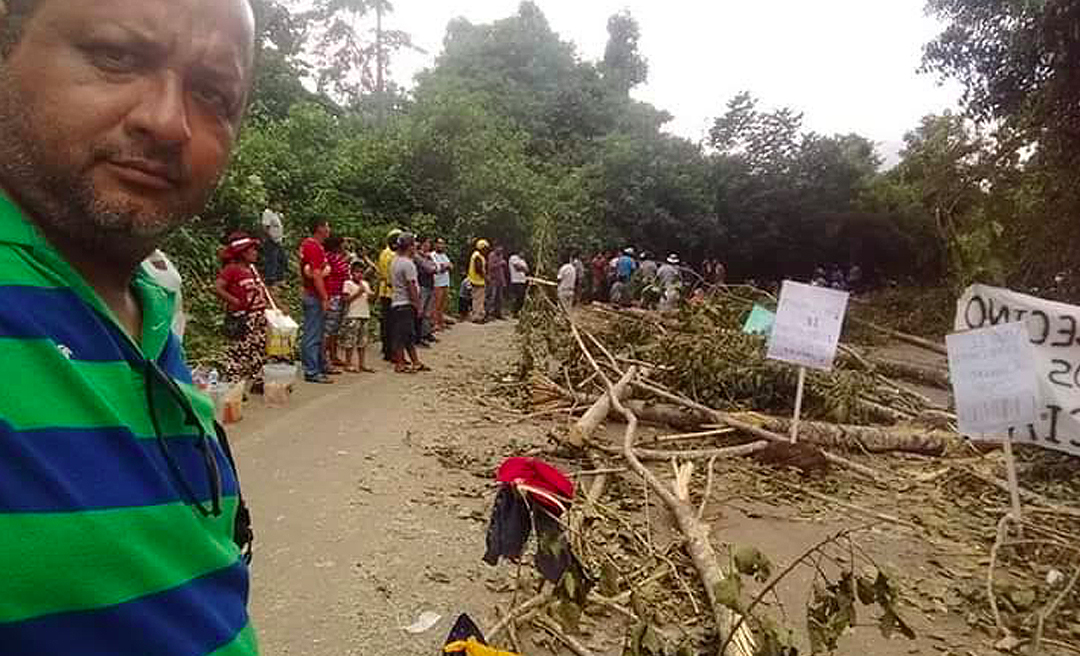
[14, 227]
[157, 303]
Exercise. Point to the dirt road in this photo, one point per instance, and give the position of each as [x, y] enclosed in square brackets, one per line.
[371, 499]
[360, 529]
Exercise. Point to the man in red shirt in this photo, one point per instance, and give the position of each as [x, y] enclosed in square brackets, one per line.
[314, 270]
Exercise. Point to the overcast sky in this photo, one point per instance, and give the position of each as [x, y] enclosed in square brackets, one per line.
[849, 65]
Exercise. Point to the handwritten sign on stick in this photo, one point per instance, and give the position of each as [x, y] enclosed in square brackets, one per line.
[808, 324]
[1054, 330]
[994, 379]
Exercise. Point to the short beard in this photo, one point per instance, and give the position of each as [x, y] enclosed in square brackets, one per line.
[61, 198]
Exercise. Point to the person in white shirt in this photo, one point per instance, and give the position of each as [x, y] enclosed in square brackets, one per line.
[567, 284]
[162, 270]
[669, 279]
[443, 267]
[519, 281]
[354, 329]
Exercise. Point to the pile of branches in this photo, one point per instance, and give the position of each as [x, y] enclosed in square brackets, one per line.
[698, 373]
[703, 355]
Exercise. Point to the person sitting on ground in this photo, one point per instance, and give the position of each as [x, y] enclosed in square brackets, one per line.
[567, 283]
[478, 280]
[405, 306]
[245, 297]
[354, 329]
[335, 289]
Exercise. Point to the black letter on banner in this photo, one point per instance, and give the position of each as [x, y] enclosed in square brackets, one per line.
[982, 312]
[1065, 370]
[1072, 440]
[1000, 316]
[1069, 332]
[1055, 414]
[1046, 327]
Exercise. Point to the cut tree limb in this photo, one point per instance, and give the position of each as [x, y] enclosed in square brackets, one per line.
[874, 439]
[698, 542]
[904, 337]
[692, 454]
[914, 373]
[728, 420]
[583, 428]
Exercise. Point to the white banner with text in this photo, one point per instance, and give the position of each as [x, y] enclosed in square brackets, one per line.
[1054, 332]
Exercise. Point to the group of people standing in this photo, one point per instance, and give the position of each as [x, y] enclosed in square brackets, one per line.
[410, 284]
[414, 285]
[493, 279]
[624, 279]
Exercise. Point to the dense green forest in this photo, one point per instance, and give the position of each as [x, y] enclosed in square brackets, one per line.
[511, 130]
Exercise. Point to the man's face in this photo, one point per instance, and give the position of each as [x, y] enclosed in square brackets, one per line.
[322, 232]
[440, 246]
[117, 117]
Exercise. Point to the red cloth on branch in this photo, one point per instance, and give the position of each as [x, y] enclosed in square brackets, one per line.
[538, 474]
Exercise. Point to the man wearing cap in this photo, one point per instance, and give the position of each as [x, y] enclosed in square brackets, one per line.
[478, 279]
[669, 279]
[120, 515]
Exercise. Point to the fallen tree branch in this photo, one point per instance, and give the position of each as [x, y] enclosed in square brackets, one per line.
[583, 428]
[571, 644]
[516, 614]
[934, 347]
[695, 454]
[874, 439]
[783, 574]
[728, 420]
[698, 543]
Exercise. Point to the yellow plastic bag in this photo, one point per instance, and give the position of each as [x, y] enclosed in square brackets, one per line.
[472, 647]
[281, 333]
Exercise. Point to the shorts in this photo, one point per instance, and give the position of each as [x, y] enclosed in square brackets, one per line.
[334, 316]
[354, 333]
[402, 327]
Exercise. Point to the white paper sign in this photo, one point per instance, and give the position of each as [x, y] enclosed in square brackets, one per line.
[808, 324]
[993, 377]
[1054, 330]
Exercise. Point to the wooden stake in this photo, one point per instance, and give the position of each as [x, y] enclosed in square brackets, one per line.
[1014, 484]
[798, 405]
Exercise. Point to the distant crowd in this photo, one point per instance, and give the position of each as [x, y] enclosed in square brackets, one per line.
[630, 278]
[410, 285]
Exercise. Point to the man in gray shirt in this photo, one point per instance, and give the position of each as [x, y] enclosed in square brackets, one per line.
[404, 306]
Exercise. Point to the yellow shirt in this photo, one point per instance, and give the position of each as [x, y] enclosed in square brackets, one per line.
[386, 258]
[477, 269]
